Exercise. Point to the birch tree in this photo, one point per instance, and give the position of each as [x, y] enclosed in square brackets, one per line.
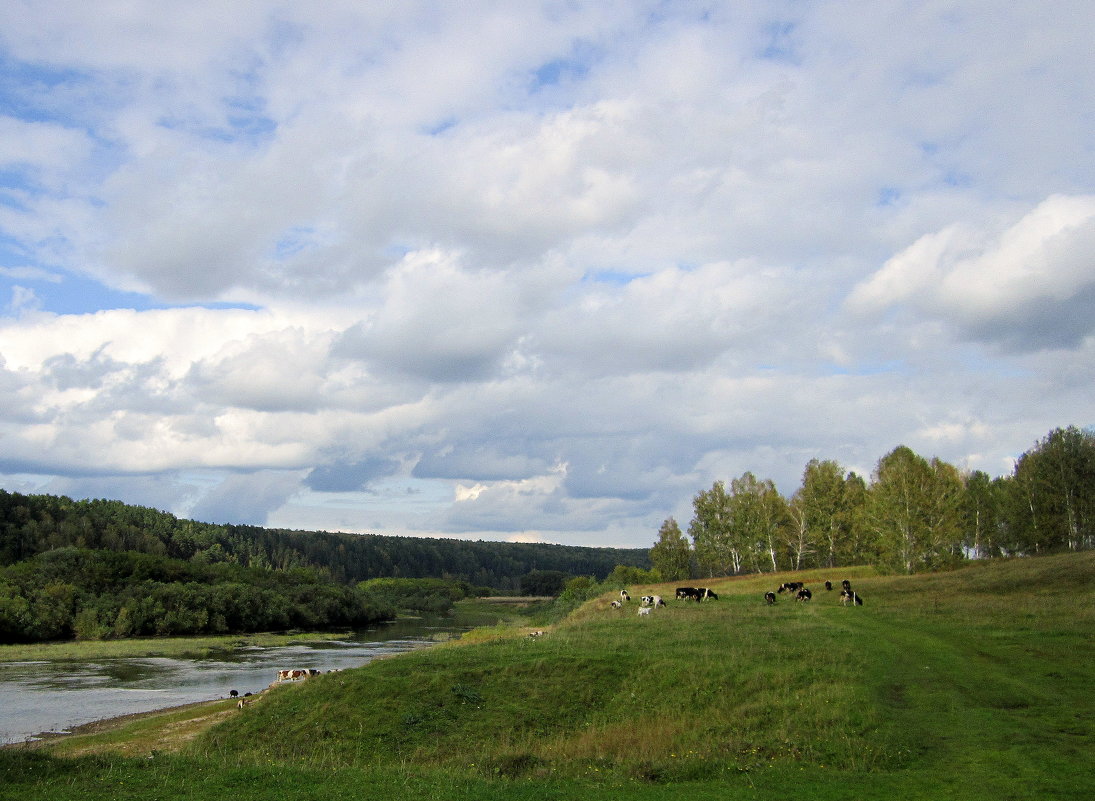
[913, 510]
[718, 552]
[671, 555]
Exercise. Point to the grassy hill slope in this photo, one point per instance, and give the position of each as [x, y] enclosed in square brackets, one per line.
[971, 684]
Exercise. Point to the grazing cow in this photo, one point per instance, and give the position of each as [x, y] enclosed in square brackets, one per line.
[233, 694]
[847, 585]
[656, 601]
[770, 597]
[690, 593]
[850, 597]
[706, 593]
[536, 634]
[828, 586]
[804, 595]
[624, 596]
[616, 605]
[294, 674]
[791, 586]
[646, 600]
[645, 610]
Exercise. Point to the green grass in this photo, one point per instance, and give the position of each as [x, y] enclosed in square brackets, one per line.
[154, 646]
[971, 684]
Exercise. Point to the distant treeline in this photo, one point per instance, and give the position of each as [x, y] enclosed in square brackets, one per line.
[33, 524]
[914, 515]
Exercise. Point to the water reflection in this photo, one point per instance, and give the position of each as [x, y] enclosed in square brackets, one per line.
[54, 696]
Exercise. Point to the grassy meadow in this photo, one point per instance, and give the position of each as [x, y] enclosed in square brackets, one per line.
[970, 684]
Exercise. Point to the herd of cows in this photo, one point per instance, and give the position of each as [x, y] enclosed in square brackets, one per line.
[796, 589]
[802, 593]
[647, 603]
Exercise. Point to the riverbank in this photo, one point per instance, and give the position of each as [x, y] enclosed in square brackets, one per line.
[140, 647]
[471, 612]
[169, 728]
[52, 671]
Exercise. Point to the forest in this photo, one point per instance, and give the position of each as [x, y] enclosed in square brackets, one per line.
[913, 515]
[32, 524]
[97, 594]
[95, 569]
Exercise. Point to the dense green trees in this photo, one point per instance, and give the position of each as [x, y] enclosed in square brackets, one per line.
[913, 512]
[915, 515]
[433, 595]
[671, 555]
[74, 592]
[1056, 505]
[543, 582]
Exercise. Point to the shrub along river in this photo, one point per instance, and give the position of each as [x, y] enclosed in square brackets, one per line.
[57, 695]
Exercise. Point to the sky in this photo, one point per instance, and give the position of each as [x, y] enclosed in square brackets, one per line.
[534, 271]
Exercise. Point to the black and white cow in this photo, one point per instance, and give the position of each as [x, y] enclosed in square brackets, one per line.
[804, 595]
[770, 597]
[850, 597]
[706, 593]
[689, 593]
[828, 586]
[624, 596]
[847, 585]
[791, 586]
[616, 604]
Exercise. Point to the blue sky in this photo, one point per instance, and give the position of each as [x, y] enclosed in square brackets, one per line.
[534, 271]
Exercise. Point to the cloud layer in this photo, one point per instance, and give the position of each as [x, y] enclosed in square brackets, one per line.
[534, 271]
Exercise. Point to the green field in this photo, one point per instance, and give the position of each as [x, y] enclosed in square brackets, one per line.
[971, 684]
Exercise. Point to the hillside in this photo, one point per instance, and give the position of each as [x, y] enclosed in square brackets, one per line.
[32, 524]
[969, 684]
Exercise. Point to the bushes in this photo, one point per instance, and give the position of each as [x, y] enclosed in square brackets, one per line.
[435, 596]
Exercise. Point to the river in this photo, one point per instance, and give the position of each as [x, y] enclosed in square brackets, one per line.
[55, 696]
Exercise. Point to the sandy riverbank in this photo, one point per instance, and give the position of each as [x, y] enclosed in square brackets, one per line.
[204, 714]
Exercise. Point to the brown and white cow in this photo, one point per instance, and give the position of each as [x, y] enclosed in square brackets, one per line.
[293, 674]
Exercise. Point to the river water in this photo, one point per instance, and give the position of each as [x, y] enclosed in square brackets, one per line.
[55, 696]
